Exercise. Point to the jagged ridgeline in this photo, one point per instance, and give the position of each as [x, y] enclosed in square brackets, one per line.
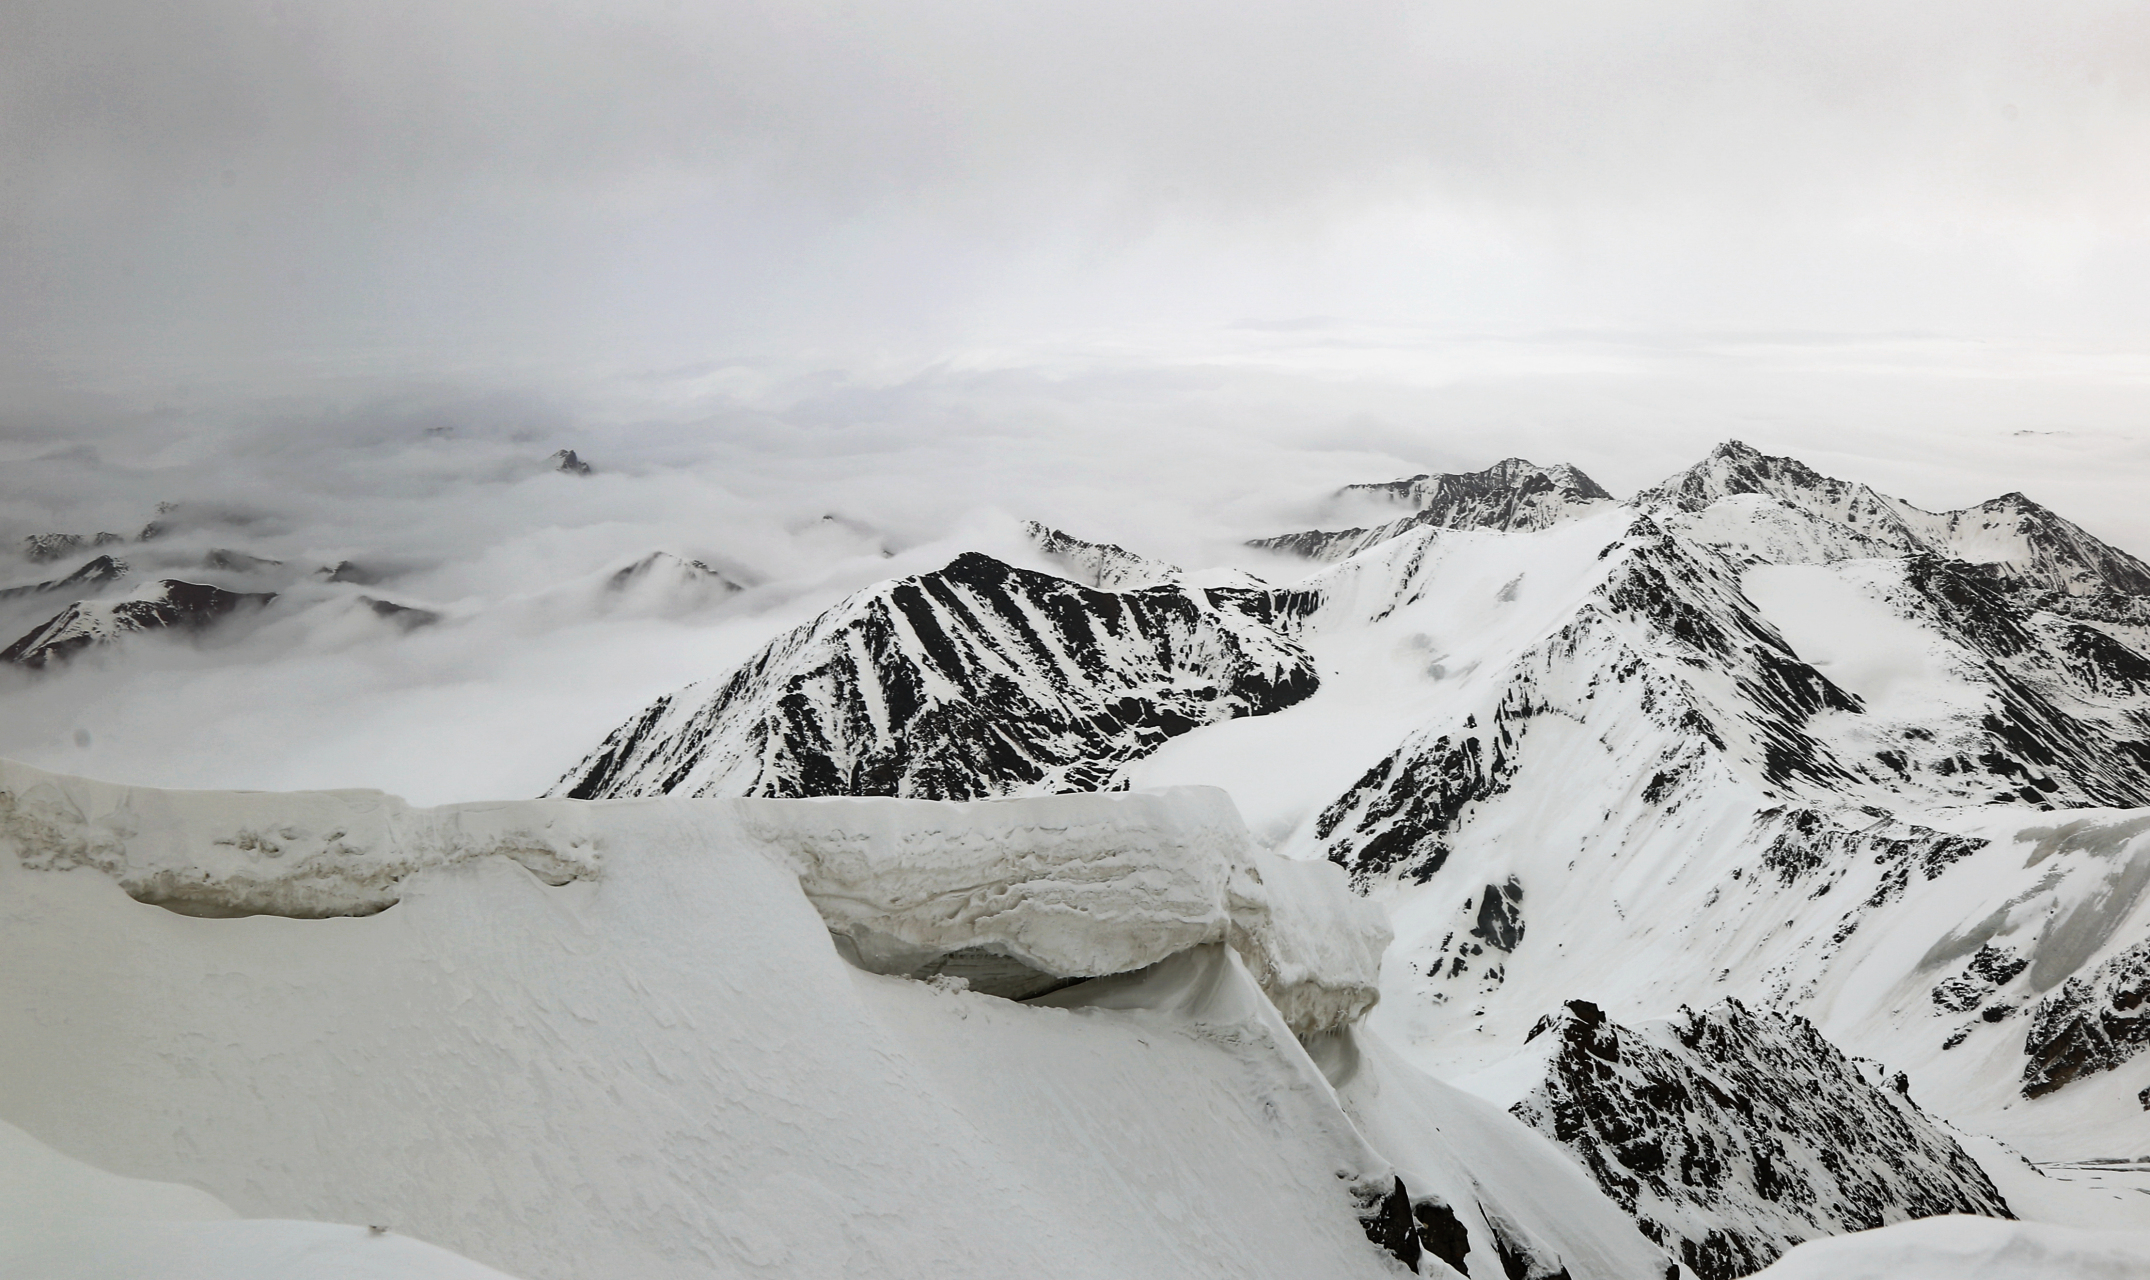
[1755, 733]
[979, 679]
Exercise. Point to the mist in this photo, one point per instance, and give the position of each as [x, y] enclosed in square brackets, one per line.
[827, 293]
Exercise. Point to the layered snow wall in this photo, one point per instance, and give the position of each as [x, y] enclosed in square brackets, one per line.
[660, 1067]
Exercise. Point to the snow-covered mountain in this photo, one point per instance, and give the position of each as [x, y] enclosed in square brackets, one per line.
[978, 679]
[1510, 494]
[1780, 511]
[90, 576]
[1104, 565]
[162, 605]
[1758, 734]
[1732, 1135]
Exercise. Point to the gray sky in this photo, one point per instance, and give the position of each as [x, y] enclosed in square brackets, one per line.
[238, 180]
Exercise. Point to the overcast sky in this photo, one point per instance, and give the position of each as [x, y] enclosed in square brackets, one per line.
[247, 178]
[340, 275]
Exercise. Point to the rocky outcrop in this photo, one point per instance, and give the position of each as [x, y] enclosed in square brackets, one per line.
[405, 616]
[979, 679]
[565, 461]
[2090, 1024]
[1510, 494]
[1732, 1135]
[161, 606]
[224, 560]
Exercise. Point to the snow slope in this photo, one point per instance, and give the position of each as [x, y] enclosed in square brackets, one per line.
[61, 1219]
[665, 1068]
[1970, 1249]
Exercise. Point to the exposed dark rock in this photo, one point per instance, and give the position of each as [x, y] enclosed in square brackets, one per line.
[566, 461]
[1732, 1136]
[237, 561]
[90, 576]
[979, 679]
[1387, 1221]
[2090, 1024]
[165, 605]
[356, 574]
[408, 617]
[1441, 1233]
[1511, 494]
[1500, 915]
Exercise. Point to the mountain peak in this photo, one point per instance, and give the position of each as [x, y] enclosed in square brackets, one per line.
[1514, 493]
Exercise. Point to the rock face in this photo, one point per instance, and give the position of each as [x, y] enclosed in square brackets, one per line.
[90, 576]
[2091, 1024]
[1733, 1135]
[406, 616]
[565, 461]
[1510, 494]
[160, 606]
[979, 679]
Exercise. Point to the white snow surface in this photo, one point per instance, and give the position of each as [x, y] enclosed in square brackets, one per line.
[301, 853]
[1967, 1248]
[61, 1219]
[666, 1070]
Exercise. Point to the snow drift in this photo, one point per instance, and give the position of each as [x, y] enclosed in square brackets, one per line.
[661, 1066]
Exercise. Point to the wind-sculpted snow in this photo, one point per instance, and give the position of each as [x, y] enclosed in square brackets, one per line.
[1732, 1135]
[301, 854]
[165, 605]
[977, 680]
[1078, 886]
[1510, 494]
[669, 1071]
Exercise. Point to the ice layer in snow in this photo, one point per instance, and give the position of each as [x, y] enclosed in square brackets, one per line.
[1079, 886]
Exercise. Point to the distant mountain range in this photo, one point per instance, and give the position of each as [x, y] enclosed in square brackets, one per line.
[1755, 733]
